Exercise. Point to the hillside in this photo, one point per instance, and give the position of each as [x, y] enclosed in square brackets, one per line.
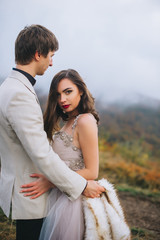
[135, 125]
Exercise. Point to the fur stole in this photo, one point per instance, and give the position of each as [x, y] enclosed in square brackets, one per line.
[104, 218]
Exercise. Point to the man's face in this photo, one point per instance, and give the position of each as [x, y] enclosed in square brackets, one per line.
[44, 63]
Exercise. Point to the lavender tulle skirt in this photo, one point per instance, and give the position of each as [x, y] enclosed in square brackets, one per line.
[65, 220]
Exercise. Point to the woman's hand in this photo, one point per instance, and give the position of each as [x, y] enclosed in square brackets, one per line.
[93, 189]
[38, 187]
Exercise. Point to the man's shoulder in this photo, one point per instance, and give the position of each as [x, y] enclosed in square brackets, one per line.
[14, 91]
[11, 85]
[16, 82]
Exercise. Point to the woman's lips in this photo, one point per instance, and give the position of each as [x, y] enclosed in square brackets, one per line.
[65, 106]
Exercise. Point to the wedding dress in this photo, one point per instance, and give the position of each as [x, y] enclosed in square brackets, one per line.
[65, 220]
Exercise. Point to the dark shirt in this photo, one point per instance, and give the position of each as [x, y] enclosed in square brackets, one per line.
[27, 75]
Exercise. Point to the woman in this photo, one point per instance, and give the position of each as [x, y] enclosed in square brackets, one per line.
[76, 143]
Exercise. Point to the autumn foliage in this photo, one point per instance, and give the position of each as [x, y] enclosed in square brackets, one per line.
[129, 144]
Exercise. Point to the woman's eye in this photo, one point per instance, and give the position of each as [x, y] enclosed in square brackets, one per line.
[68, 92]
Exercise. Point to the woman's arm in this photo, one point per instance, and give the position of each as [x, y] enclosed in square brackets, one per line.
[87, 133]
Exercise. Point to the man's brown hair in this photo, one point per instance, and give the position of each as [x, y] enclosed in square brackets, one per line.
[31, 39]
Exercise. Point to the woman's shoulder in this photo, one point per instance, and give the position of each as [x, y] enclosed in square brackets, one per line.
[86, 119]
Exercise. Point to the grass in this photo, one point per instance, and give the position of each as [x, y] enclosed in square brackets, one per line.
[141, 234]
[137, 191]
[7, 228]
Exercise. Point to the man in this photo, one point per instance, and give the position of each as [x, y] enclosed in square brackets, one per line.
[24, 148]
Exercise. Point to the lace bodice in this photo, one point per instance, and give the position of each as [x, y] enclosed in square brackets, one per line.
[63, 145]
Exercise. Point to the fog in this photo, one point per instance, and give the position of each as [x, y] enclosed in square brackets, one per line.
[114, 45]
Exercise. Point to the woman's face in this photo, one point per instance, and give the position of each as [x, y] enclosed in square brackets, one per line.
[68, 96]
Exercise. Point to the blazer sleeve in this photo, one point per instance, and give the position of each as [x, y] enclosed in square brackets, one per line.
[25, 117]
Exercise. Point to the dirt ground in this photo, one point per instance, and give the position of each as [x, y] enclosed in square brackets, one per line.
[141, 212]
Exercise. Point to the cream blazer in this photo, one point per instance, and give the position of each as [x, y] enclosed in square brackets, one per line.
[24, 149]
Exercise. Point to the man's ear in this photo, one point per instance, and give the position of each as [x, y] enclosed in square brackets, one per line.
[37, 56]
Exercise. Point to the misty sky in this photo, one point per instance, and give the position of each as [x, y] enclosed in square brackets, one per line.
[113, 44]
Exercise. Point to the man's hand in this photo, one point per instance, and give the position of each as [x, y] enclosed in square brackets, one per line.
[38, 187]
[93, 189]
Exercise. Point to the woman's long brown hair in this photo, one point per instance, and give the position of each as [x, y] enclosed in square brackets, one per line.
[53, 113]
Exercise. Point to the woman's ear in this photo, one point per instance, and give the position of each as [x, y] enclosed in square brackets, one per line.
[81, 93]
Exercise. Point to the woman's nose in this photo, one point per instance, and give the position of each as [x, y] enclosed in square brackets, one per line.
[62, 98]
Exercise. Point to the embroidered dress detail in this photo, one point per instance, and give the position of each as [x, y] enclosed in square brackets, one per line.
[68, 152]
[67, 139]
[75, 123]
